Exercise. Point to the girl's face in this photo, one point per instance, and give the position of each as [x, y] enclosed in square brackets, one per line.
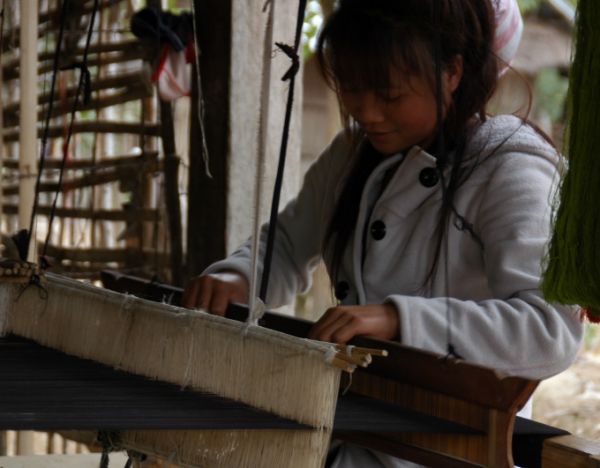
[401, 116]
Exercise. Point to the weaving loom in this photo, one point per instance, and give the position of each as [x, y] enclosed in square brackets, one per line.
[194, 350]
[430, 410]
[254, 396]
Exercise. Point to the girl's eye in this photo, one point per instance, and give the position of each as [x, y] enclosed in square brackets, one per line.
[392, 97]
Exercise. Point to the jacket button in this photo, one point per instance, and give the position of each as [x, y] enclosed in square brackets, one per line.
[341, 290]
[429, 177]
[378, 229]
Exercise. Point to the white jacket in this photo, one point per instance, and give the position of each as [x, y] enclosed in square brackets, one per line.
[499, 318]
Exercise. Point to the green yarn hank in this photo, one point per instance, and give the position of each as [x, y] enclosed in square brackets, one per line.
[572, 273]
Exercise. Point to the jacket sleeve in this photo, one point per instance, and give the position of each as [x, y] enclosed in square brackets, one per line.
[299, 234]
[515, 331]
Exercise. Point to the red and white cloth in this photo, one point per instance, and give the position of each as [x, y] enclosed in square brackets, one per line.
[509, 29]
[173, 75]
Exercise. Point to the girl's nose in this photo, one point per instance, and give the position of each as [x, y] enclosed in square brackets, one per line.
[366, 108]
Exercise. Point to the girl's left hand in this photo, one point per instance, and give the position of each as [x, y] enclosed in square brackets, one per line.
[342, 323]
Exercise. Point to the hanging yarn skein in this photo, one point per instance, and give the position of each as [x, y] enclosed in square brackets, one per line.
[572, 273]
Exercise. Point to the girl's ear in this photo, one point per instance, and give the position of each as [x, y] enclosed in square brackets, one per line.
[453, 74]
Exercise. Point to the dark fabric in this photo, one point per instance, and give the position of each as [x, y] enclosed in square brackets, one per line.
[48, 390]
[177, 30]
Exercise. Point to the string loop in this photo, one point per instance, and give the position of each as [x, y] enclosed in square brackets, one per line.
[293, 56]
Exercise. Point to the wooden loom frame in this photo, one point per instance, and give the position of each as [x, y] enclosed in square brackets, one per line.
[413, 379]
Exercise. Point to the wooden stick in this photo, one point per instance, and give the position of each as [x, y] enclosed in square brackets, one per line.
[371, 351]
[343, 365]
[354, 360]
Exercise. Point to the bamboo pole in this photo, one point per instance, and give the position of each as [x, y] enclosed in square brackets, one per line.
[2, 435]
[28, 113]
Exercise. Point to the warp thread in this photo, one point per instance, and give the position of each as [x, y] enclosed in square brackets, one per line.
[573, 262]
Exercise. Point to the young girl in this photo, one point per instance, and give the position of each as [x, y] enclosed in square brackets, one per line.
[432, 217]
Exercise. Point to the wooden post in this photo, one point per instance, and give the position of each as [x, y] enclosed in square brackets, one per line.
[27, 141]
[171, 174]
[220, 209]
[171, 171]
[208, 197]
[28, 113]
[1, 135]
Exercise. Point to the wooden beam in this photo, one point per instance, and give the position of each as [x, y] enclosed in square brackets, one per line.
[173, 208]
[208, 197]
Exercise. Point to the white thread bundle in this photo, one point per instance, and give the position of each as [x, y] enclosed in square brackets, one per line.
[284, 375]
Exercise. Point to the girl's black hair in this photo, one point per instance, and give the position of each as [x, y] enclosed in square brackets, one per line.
[359, 43]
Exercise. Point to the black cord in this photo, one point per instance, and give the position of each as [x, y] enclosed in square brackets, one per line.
[44, 145]
[82, 86]
[110, 442]
[291, 76]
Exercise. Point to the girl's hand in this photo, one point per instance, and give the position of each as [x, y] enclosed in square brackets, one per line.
[214, 292]
[341, 324]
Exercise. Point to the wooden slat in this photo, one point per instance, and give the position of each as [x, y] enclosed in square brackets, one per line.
[128, 215]
[99, 177]
[100, 48]
[105, 255]
[86, 8]
[131, 93]
[124, 80]
[93, 127]
[11, 70]
[46, 26]
[88, 163]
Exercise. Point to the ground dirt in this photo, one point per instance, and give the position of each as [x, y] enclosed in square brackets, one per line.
[571, 400]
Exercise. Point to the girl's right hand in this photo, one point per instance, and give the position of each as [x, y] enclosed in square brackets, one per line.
[214, 292]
